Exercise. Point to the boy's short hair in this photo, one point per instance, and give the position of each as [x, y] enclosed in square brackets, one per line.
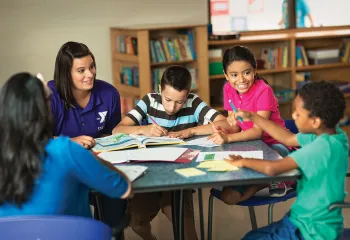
[324, 100]
[177, 77]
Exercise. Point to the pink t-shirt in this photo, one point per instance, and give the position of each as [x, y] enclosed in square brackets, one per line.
[260, 97]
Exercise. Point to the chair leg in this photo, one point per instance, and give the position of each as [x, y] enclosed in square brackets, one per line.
[98, 208]
[210, 217]
[270, 213]
[252, 217]
[201, 217]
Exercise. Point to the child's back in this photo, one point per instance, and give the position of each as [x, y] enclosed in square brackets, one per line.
[323, 161]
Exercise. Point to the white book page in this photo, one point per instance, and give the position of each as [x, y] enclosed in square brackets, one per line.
[203, 142]
[163, 139]
[202, 156]
[133, 171]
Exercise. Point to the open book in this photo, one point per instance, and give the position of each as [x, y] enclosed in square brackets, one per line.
[120, 141]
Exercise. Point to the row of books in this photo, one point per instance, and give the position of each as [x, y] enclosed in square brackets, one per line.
[127, 104]
[126, 44]
[130, 76]
[157, 74]
[167, 49]
[274, 57]
[344, 53]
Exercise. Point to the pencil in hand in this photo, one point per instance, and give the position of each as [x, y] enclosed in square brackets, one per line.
[214, 126]
[152, 119]
[235, 110]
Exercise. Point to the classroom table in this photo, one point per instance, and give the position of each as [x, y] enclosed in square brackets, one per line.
[162, 177]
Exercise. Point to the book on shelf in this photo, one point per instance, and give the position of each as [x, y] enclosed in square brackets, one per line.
[344, 51]
[168, 49]
[274, 57]
[121, 141]
[126, 44]
[127, 104]
[301, 57]
[157, 74]
[130, 76]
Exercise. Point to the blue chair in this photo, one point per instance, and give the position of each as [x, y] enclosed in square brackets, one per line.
[255, 200]
[53, 228]
[346, 232]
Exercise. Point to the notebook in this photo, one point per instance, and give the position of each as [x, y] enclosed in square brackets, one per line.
[121, 141]
[133, 172]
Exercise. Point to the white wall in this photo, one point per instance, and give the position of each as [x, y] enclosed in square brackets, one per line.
[32, 31]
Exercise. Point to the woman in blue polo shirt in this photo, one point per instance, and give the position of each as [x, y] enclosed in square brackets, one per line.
[40, 175]
[84, 108]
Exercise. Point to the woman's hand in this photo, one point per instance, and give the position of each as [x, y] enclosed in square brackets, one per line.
[154, 130]
[187, 133]
[85, 141]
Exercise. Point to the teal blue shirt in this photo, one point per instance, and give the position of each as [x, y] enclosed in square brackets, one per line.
[69, 171]
[301, 11]
[323, 162]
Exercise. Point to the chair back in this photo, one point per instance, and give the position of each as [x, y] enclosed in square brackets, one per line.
[53, 228]
[290, 124]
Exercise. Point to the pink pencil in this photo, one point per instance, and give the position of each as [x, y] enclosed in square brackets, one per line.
[154, 121]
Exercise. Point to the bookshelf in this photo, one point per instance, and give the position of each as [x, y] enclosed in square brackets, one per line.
[286, 77]
[140, 53]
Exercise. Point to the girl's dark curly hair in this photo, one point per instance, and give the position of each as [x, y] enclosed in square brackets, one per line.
[25, 127]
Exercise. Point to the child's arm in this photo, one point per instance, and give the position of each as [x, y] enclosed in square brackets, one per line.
[267, 167]
[220, 123]
[250, 134]
[127, 125]
[279, 133]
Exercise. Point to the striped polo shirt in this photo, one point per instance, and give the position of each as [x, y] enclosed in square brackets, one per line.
[193, 113]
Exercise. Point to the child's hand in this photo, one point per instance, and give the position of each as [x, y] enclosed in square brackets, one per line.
[218, 138]
[187, 133]
[245, 115]
[231, 120]
[154, 130]
[235, 160]
[220, 129]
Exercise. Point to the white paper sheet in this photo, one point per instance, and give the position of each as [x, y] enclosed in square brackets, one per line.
[132, 171]
[221, 155]
[203, 142]
[145, 154]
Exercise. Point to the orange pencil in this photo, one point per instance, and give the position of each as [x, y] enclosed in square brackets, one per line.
[214, 126]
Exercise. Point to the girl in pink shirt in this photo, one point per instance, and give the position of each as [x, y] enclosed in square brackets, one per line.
[247, 91]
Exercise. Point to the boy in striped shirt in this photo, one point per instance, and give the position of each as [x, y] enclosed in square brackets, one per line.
[178, 113]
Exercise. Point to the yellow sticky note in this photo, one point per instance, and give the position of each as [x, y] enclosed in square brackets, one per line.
[208, 164]
[217, 166]
[190, 172]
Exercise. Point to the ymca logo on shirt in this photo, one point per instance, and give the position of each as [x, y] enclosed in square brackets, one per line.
[102, 117]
